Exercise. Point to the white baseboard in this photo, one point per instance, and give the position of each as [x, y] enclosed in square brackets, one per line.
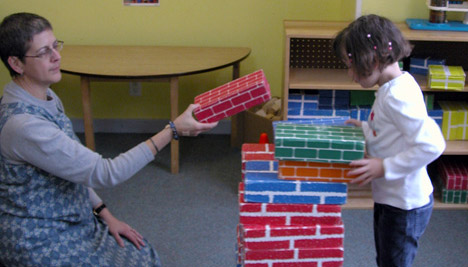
[139, 126]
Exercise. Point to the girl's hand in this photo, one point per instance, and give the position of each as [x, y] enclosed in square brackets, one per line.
[186, 125]
[354, 122]
[366, 169]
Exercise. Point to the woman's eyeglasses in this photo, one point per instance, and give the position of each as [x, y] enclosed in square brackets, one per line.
[47, 52]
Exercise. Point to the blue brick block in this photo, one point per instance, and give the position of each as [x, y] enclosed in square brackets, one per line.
[252, 175]
[324, 187]
[261, 165]
[294, 192]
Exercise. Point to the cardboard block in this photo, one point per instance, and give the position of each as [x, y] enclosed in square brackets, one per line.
[259, 158]
[429, 101]
[261, 166]
[454, 173]
[334, 93]
[339, 121]
[446, 77]
[360, 112]
[233, 97]
[454, 196]
[454, 120]
[287, 214]
[273, 190]
[265, 237]
[314, 171]
[302, 101]
[437, 114]
[252, 151]
[319, 143]
[361, 97]
[420, 65]
[306, 114]
[293, 257]
[331, 99]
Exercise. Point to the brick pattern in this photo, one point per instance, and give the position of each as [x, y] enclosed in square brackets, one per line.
[421, 65]
[259, 188]
[298, 231]
[360, 112]
[262, 237]
[330, 99]
[339, 121]
[320, 143]
[454, 120]
[436, 113]
[325, 104]
[454, 173]
[454, 196]
[233, 97]
[446, 77]
[314, 171]
[287, 214]
[258, 158]
[329, 257]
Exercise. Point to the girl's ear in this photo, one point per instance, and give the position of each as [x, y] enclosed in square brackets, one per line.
[16, 64]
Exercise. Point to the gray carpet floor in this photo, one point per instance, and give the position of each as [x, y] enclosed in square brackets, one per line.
[190, 218]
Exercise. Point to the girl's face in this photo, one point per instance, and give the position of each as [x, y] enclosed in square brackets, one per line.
[44, 70]
[366, 82]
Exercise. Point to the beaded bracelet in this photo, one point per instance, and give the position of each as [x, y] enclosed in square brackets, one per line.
[154, 144]
[174, 130]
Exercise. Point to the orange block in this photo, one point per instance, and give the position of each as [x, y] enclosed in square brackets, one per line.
[314, 171]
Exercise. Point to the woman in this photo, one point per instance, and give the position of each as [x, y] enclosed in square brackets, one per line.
[49, 213]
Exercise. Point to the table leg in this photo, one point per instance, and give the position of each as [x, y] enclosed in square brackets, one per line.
[87, 115]
[237, 121]
[174, 112]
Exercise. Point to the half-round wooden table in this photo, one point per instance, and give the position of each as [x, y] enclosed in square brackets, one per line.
[146, 63]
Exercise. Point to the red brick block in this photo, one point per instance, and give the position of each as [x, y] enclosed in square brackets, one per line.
[454, 173]
[287, 214]
[266, 237]
[233, 97]
[258, 152]
[294, 256]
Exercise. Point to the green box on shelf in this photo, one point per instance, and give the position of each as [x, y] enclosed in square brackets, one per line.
[319, 143]
[446, 77]
[361, 97]
[454, 196]
[429, 100]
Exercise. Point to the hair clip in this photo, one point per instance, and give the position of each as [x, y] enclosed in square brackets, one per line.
[368, 35]
[375, 47]
[350, 55]
[389, 45]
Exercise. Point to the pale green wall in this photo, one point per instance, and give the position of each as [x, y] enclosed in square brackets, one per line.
[252, 23]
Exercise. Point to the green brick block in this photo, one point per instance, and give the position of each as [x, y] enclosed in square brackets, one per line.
[358, 98]
[454, 196]
[320, 143]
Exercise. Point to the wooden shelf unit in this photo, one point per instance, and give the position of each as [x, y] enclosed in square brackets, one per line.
[310, 64]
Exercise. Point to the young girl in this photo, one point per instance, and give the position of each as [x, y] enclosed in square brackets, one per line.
[401, 140]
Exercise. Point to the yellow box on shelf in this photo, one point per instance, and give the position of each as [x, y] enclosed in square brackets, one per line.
[454, 120]
[446, 77]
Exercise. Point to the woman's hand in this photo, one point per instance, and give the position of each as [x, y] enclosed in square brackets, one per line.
[366, 169]
[186, 124]
[118, 228]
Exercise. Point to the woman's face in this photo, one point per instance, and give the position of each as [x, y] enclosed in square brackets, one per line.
[44, 70]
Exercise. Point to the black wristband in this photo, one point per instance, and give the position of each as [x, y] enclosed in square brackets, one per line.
[98, 210]
[174, 131]
[154, 144]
